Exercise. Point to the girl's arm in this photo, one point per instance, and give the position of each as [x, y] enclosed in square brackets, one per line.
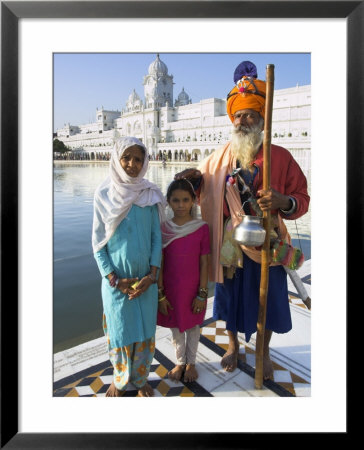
[160, 277]
[200, 301]
[203, 271]
[163, 303]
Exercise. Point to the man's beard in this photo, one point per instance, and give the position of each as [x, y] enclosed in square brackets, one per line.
[245, 143]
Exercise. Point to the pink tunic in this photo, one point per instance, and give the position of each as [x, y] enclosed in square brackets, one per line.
[181, 278]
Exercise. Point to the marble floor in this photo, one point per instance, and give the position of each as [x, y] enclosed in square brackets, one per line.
[85, 370]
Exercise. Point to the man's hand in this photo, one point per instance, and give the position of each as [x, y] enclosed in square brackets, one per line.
[163, 307]
[272, 199]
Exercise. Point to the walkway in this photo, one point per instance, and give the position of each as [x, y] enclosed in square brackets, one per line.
[85, 370]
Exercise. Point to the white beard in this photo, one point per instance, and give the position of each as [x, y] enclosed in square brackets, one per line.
[245, 143]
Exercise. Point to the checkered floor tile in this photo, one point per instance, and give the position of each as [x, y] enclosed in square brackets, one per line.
[285, 382]
[95, 381]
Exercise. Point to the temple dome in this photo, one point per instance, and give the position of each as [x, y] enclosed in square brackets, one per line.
[133, 97]
[183, 96]
[134, 102]
[157, 68]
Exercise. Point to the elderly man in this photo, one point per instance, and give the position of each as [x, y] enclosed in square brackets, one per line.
[224, 195]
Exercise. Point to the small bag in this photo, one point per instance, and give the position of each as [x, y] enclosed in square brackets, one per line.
[287, 255]
[231, 254]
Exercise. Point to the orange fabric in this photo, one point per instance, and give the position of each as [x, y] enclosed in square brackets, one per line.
[214, 170]
[246, 100]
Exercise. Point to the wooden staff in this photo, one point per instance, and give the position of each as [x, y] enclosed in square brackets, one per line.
[264, 277]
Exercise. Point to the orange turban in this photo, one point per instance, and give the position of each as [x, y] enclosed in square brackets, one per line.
[249, 93]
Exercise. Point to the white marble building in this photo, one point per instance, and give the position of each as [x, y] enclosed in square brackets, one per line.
[183, 130]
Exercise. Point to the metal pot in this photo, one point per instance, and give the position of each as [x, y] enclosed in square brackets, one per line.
[250, 231]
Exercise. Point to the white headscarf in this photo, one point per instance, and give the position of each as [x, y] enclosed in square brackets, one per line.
[115, 196]
[172, 231]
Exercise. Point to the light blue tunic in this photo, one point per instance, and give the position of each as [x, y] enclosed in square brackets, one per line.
[133, 248]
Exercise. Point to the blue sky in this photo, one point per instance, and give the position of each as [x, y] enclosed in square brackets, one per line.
[85, 81]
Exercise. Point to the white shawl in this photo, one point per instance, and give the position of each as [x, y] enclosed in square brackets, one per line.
[115, 196]
[172, 231]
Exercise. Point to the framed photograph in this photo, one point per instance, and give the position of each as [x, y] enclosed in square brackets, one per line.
[31, 33]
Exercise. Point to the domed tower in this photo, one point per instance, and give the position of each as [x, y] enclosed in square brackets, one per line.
[182, 99]
[158, 85]
[134, 102]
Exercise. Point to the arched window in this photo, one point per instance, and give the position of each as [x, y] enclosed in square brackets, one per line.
[137, 127]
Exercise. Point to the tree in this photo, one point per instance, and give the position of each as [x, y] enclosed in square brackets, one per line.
[58, 146]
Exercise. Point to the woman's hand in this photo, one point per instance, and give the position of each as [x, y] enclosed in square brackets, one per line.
[142, 286]
[198, 306]
[124, 284]
[163, 307]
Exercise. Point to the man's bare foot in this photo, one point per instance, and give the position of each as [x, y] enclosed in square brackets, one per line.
[267, 368]
[176, 373]
[113, 392]
[146, 391]
[229, 361]
[190, 373]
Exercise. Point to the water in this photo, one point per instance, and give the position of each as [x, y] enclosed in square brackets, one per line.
[77, 305]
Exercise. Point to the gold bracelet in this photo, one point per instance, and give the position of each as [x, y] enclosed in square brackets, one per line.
[203, 290]
[161, 299]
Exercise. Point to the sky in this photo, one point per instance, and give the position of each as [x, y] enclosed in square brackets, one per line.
[83, 82]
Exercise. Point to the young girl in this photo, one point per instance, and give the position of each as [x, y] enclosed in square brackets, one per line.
[182, 283]
[127, 246]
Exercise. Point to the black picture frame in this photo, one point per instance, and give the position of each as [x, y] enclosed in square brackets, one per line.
[11, 12]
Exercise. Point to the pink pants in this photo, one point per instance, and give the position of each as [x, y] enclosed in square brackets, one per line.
[186, 344]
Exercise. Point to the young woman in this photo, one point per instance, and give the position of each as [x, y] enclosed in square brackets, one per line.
[127, 246]
[183, 278]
